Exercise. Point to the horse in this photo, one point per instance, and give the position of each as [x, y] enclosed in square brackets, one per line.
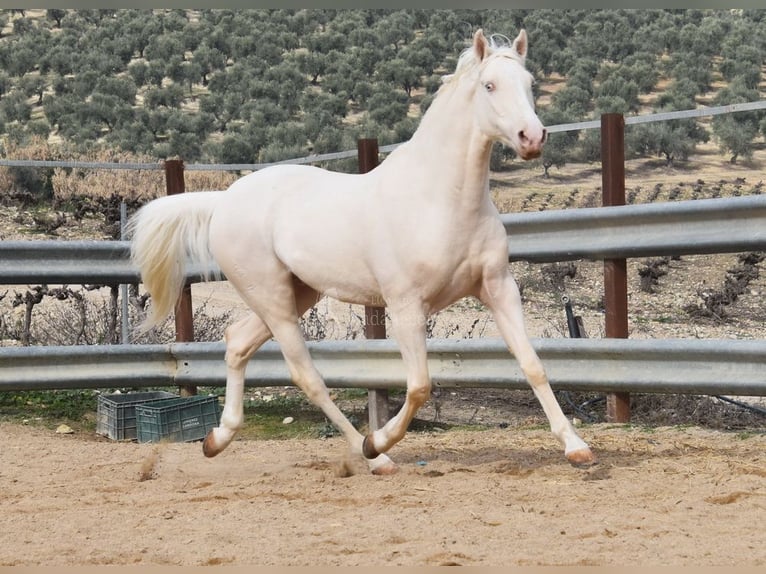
[416, 234]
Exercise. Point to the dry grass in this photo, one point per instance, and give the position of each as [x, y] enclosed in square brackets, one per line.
[128, 184]
[522, 187]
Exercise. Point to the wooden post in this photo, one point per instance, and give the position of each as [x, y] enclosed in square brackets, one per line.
[374, 317]
[174, 180]
[615, 270]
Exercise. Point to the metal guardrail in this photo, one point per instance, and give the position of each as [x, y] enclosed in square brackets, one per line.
[691, 366]
[726, 225]
[700, 226]
[36, 262]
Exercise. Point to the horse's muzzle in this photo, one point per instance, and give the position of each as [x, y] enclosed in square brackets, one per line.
[531, 146]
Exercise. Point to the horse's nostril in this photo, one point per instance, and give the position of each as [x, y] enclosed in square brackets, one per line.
[522, 136]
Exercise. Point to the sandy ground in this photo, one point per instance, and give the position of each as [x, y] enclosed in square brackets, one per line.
[668, 496]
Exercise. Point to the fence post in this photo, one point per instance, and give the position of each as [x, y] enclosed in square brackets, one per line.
[174, 181]
[615, 270]
[374, 317]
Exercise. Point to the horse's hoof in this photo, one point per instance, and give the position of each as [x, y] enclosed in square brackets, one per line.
[581, 458]
[209, 446]
[385, 470]
[368, 448]
[383, 466]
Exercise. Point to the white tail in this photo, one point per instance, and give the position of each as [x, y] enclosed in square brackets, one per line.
[166, 233]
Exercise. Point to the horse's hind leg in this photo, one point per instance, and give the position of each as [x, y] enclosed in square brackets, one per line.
[243, 338]
[501, 295]
[281, 309]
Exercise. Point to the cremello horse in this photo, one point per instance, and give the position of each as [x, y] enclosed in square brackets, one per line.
[417, 233]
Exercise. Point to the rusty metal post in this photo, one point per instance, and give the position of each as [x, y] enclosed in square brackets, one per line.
[615, 270]
[374, 317]
[174, 181]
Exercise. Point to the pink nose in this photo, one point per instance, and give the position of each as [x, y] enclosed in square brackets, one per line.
[531, 142]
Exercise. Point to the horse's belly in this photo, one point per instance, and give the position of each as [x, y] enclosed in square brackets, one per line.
[343, 289]
[344, 278]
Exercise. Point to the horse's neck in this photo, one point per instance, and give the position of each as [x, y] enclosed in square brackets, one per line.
[448, 151]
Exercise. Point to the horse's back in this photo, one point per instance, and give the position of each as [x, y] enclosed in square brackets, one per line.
[314, 222]
[286, 178]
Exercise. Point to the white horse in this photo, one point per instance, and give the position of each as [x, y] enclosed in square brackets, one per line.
[416, 234]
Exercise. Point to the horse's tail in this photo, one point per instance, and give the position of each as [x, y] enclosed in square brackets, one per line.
[167, 233]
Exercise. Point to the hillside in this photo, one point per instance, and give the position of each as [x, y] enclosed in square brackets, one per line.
[252, 86]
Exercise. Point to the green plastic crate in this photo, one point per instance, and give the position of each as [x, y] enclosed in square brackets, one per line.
[182, 419]
[116, 414]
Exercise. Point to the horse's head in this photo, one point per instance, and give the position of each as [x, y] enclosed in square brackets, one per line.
[503, 100]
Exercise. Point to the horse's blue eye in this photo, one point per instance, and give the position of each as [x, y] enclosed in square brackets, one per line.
[489, 86]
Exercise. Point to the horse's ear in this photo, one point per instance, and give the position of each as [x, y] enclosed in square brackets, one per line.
[520, 44]
[480, 44]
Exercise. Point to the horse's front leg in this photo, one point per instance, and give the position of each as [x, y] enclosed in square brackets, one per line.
[500, 294]
[410, 333]
[243, 339]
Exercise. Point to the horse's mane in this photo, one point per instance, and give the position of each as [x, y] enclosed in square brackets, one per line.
[467, 62]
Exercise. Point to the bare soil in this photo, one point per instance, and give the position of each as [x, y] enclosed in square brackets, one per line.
[664, 496]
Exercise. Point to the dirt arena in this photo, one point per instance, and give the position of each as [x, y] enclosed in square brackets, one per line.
[667, 496]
